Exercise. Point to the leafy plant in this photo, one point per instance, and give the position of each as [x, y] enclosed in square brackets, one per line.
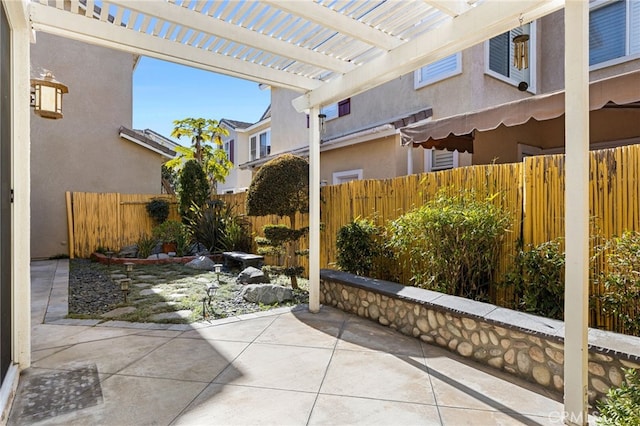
[194, 188]
[537, 278]
[622, 280]
[451, 243]
[170, 231]
[211, 226]
[281, 187]
[357, 246]
[158, 209]
[146, 244]
[236, 235]
[621, 407]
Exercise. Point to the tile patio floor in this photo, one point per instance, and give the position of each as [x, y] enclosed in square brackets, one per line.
[282, 367]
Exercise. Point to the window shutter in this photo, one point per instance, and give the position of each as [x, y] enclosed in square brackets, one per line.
[607, 32]
[634, 27]
[344, 107]
[499, 54]
[442, 67]
[441, 159]
[253, 147]
[231, 148]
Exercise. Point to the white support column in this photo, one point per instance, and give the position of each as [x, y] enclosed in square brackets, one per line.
[314, 210]
[21, 182]
[410, 159]
[576, 65]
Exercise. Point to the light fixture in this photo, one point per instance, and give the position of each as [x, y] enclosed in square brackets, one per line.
[47, 96]
[521, 50]
[124, 287]
[322, 118]
[128, 267]
[109, 254]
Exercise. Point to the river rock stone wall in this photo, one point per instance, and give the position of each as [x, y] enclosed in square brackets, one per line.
[530, 354]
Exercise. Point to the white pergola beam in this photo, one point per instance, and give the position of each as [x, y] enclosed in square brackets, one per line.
[450, 7]
[576, 305]
[451, 37]
[322, 15]
[188, 18]
[65, 24]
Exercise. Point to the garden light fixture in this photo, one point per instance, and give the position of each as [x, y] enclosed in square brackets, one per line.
[47, 96]
[124, 287]
[109, 254]
[128, 267]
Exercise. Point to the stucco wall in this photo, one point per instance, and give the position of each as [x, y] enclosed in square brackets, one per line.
[288, 127]
[237, 179]
[82, 151]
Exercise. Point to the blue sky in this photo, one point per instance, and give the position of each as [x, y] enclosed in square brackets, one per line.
[163, 92]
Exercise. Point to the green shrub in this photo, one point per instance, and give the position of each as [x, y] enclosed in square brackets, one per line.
[451, 243]
[146, 244]
[236, 235]
[622, 280]
[158, 209]
[209, 225]
[537, 279]
[169, 231]
[357, 247]
[194, 188]
[621, 407]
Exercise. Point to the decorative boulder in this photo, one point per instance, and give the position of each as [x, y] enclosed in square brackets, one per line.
[202, 263]
[158, 256]
[252, 275]
[128, 251]
[267, 294]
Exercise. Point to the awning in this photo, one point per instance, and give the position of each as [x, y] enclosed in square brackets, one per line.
[454, 131]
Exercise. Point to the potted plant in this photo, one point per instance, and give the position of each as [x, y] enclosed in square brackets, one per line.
[158, 209]
[169, 233]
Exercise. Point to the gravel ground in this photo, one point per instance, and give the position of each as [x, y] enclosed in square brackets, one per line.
[92, 292]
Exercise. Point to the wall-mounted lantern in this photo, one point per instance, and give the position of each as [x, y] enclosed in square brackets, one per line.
[47, 96]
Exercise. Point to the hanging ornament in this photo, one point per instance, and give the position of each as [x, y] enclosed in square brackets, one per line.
[521, 50]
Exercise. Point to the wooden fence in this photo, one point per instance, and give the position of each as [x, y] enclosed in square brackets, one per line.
[532, 192]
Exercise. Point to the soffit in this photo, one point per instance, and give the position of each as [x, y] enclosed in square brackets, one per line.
[325, 49]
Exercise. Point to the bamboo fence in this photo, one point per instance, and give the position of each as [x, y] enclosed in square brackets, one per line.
[531, 192]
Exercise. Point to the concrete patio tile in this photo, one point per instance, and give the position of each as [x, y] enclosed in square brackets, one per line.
[326, 313]
[464, 416]
[242, 405]
[134, 401]
[187, 359]
[378, 375]
[51, 336]
[279, 367]
[41, 354]
[459, 384]
[158, 333]
[110, 355]
[361, 334]
[341, 410]
[289, 330]
[239, 331]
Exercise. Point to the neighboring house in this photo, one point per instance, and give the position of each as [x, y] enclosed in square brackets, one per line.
[91, 149]
[475, 107]
[246, 144]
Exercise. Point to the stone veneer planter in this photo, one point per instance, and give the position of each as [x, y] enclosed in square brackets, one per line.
[522, 344]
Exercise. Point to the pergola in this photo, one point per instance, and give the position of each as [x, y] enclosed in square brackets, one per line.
[327, 50]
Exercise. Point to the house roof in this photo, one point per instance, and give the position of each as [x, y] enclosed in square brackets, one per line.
[235, 124]
[327, 50]
[147, 141]
[619, 90]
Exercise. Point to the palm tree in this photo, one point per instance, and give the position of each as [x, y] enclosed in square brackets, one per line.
[206, 147]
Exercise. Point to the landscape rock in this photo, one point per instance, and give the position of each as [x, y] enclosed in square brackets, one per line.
[129, 252]
[267, 294]
[158, 256]
[252, 275]
[202, 263]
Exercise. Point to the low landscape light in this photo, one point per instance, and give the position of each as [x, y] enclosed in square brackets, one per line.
[124, 287]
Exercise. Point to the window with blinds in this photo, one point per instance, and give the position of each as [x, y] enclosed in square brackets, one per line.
[614, 30]
[442, 160]
[500, 57]
[439, 70]
[260, 144]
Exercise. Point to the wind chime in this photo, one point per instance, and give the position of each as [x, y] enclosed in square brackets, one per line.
[521, 50]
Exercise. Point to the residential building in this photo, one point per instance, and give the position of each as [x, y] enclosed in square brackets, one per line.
[476, 106]
[92, 149]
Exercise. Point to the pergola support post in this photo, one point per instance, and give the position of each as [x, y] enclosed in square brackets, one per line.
[576, 65]
[314, 210]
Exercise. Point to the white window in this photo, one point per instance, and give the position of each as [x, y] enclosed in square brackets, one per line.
[499, 58]
[440, 159]
[614, 31]
[439, 70]
[336, 110]
[260, 145]
[346, 176]
[228, 149]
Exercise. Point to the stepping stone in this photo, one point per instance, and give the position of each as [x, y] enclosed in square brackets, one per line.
[142, 285]
[147, 277]
[118, 276]
[150, 292]
[172, 315]
[119, 311]
[177, 296]
[163, 305]
[203, 280]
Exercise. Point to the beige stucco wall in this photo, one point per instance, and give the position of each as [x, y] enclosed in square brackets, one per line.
[82, 151]
[288, 127]
[237, 178]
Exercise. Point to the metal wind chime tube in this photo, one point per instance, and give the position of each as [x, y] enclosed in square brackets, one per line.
[521, 51]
